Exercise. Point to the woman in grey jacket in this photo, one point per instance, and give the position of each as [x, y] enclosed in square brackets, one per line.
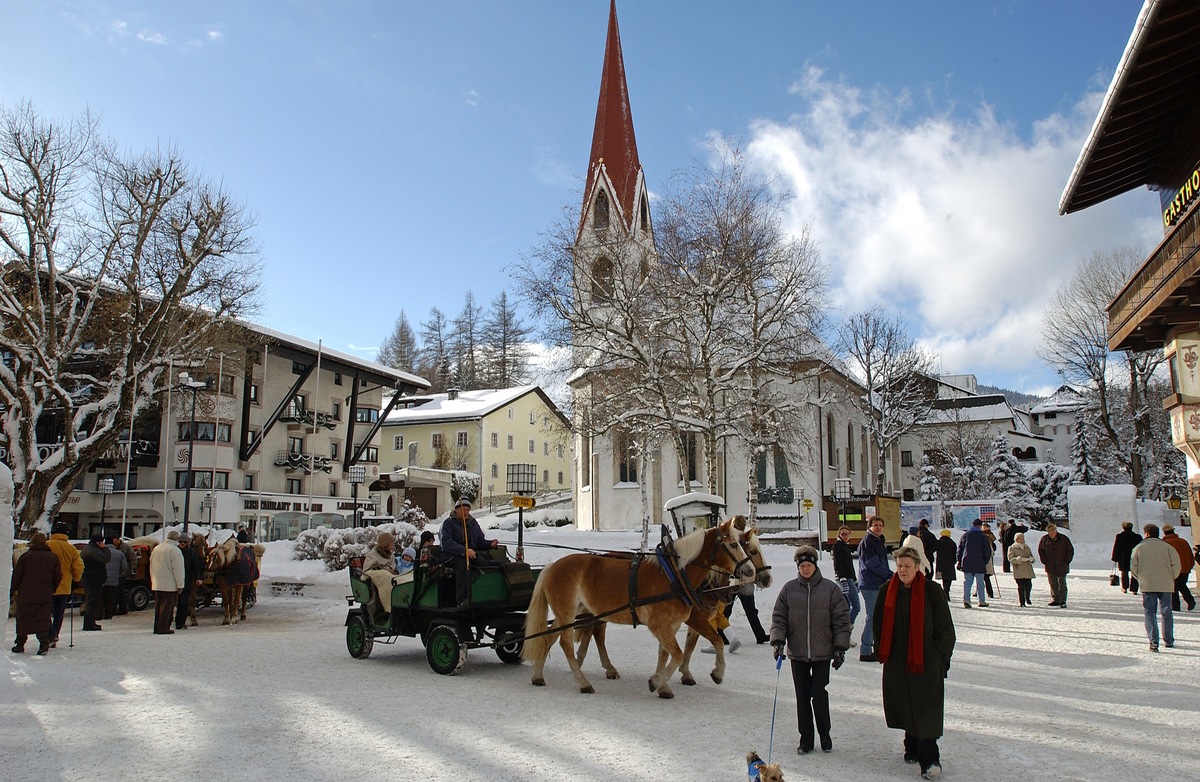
[812, 619]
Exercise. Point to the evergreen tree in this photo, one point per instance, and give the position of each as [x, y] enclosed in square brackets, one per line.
[1006, 480]
[399, 350]
[434, 358]
[1083, 468]
[466, 339]
[931, 487]
[505, 344]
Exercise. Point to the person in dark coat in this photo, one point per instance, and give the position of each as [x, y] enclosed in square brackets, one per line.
[193, 573]
[1056, 552]
[242, 535]
[95, 572]
[843, 571]
[928, 542]
[131, 557]
[873, 574]
[34, 579]
[811, 619]
[974, 553]
[118, 571]
[72, 570]
[1123, 546]
[462, 540]
[1007, 537]
[916, 641]
[947, 560]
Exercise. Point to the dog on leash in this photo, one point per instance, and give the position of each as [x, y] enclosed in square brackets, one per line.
[757, 770]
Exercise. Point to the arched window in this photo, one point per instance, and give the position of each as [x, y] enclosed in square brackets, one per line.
[830, 441]
[602, 279]
[849, 447]
[644, 213]
[600, 212]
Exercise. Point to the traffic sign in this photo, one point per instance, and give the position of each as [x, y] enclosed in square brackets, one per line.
[808, 504]
[523, 502]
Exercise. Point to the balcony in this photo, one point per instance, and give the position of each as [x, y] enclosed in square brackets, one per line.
[1162, 293]
[297, 417]
[306, 462]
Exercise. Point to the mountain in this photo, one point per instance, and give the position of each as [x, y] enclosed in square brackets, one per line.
[1015, 398]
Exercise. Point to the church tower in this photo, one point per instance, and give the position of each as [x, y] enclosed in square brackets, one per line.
[613, 247]
[616, 208]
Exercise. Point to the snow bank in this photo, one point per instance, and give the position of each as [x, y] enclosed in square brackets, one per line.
[1097, 511]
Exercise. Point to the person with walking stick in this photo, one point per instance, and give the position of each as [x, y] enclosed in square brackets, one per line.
[811, 625]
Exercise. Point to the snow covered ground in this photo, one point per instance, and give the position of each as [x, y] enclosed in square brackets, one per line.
[1039, 693]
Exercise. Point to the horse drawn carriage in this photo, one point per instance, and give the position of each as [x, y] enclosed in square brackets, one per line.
[421, 604]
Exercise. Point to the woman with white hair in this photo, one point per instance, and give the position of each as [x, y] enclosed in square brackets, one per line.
[915, 641]
[1021, 558]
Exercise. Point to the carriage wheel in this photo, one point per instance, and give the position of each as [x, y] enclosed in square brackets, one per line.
[359, 641]
[443, 650]
[139, 598]
[510, 652]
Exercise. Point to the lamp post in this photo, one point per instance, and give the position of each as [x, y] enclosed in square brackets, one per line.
[208, 502]
[521, 482]
[105, 487]
[188, 384]
[356, 475]
[842, 491]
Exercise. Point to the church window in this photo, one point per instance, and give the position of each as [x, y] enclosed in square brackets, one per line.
[600, 217]
[602, 279]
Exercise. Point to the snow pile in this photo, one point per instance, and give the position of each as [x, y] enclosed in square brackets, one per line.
[1097, 512]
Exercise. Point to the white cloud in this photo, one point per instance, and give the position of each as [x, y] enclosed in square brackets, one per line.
[214, 36]
[952, 223]
[151, 37]
[471, 97]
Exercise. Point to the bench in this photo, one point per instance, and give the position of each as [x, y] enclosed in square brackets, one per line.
[288, 588]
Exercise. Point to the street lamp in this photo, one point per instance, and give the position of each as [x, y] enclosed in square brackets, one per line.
[105, 487]
[843, 489]
[188, 384]
[357, 474]
[209, 502]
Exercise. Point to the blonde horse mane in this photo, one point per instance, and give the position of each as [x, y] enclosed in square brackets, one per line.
[688, 547]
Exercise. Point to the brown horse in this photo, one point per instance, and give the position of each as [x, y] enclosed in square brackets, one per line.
[699, 621]
[231, 564]
[601, 586]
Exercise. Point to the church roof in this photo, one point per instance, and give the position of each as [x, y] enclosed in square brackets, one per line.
[614, 148]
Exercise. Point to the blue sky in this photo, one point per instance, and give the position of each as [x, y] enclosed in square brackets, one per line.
[397, 154]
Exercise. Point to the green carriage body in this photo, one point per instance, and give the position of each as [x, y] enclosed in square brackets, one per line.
[424, 607]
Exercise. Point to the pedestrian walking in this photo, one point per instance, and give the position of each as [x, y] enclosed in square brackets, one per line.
[745, 596]
[916, 642]
[989, 568]
[843, 571]
[35, 578]
[947, 560]
[1187, 560]
[811, 625]
[1155, 563]
[1123, 546]
[1056, 552]
[1021, 557]
[974, 551]
[873, 573]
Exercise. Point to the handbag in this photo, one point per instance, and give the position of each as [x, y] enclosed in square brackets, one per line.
[1113, 578]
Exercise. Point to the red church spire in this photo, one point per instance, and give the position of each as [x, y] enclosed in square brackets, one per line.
[614, 148]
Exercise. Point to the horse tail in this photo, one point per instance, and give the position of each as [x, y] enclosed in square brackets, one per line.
[537, 648]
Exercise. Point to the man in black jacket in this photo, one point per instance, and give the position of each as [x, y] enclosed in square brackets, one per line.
[843, 571]
[462, 541]
[1123, 546]
[95, 572]
[193, 574]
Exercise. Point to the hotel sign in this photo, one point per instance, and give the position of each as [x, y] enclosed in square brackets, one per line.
[1182, 199]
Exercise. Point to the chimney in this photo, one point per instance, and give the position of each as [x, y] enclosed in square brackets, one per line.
[451, 394]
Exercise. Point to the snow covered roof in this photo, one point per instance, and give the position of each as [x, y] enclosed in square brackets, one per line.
[465, 406]
[985, 408]
[401, 380]
[1065, 399]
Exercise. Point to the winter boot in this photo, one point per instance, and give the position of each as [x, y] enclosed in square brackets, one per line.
[43, 645]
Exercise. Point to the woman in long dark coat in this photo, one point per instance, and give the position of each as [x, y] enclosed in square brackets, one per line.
[34, 579]
[947, 559]
[916, 640]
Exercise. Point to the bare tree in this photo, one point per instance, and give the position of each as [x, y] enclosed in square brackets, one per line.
[435, 356]
[895, 372]
[466, 341]
[113, 265]
[699, 336]
[399, 350]
[1075, 342]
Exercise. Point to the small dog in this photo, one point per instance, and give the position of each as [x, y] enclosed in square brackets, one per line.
[758, 770]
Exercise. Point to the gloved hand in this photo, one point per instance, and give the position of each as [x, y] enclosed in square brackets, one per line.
[839, 657]
[777, 647]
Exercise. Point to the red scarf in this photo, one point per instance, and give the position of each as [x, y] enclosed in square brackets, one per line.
[916, 623]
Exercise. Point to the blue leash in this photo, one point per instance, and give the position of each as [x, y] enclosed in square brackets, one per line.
[778, 672]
